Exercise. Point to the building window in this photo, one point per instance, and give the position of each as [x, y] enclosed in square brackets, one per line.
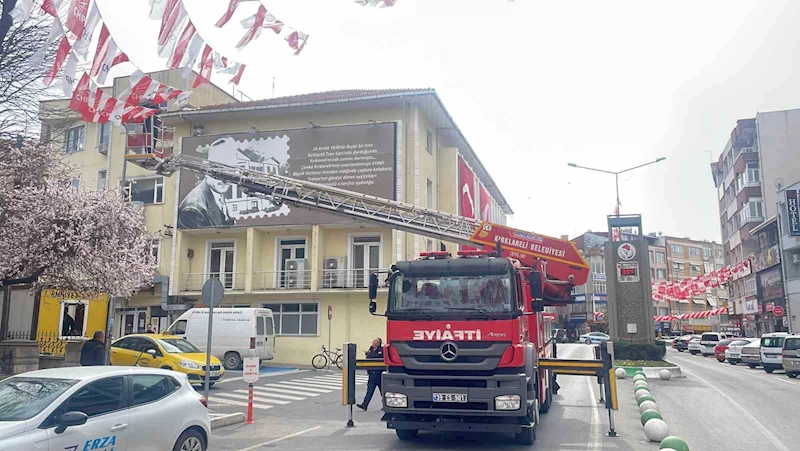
[752, 173]
[661, 273]
[148, 191]
[429, 193]
[676, 249]
[429, 142]
[652, 257]
[707, 252]
[599, 287]
[694, 269]
[694, 251]
[708, 266]
[222, 261]
[74, 315]
[598, 267]
[750, 286]
[102, 179]
[73, 139]
[661, 257]
[75, 184]
[104, 138]
[678, 266]
[295, 319]
[366, 257]
[755, 208]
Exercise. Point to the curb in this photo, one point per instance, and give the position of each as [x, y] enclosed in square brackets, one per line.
[652, 372]
[226, 420]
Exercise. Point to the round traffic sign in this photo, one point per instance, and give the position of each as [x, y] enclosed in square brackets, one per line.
[777, 310]
[212, 292]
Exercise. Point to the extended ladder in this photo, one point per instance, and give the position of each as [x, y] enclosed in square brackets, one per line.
[375, 210]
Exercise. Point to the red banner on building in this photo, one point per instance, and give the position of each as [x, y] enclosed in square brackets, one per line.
[486, 205]
[466, 189]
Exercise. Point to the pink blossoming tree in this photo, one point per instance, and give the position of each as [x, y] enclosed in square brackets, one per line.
[54, 235]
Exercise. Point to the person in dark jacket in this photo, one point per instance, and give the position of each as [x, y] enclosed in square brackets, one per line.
[93, 352]
[375, 352]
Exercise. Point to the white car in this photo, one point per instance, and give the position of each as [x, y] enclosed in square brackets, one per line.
[733, 353]
[105, 408]
[695, 347]
[594, 337]
[771, 351]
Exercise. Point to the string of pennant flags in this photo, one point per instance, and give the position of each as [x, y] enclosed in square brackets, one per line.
[179, 42]
[694, 315]
[681, 291]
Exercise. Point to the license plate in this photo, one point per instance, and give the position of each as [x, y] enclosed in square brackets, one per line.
[215, 374]
[772, 356]
[449, 397]
[795, 363]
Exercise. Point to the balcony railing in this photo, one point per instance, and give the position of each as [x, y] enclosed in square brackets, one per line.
[745, 217]
[194, 281]
[282, 280]
[346, 278]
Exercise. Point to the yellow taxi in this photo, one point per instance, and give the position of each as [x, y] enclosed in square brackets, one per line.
[165, 351]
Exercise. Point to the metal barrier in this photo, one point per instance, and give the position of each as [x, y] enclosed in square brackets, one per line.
[601, 367]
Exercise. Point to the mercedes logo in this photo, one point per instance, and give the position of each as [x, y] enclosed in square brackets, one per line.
[449, 351]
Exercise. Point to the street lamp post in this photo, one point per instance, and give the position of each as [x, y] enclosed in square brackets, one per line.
[616, 174]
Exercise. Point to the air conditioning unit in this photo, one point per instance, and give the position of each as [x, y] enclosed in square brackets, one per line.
[296, 273]
[796, 259]
[335, 274]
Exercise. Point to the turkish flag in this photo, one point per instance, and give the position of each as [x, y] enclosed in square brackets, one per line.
[486, 205]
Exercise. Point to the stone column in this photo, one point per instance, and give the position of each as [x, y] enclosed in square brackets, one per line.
[19, 356]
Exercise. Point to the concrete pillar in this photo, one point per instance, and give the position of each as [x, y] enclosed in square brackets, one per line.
[18, 356]
[316, 262]
[249, 268]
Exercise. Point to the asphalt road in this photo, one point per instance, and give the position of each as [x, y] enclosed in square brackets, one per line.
[575, 422]
[723, 407]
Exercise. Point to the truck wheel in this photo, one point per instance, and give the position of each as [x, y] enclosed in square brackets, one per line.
[548, 397]
[406, 434]
[769, 370]
[527, 436]
[232, 361]
[752, 366]
[792, 375]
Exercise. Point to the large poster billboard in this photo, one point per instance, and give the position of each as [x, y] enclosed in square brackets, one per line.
[354, 157]
[486, 205]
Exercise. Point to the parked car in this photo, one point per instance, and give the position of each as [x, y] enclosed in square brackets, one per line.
[238, 333]
[102, 407]
[594, 337]
[791, 355]
[682, 343]
[771, 350]
[751, 353]
[709, 340]
[168, 352]
[733, 352]
[560, 335]
[694, 346]
[719, 349]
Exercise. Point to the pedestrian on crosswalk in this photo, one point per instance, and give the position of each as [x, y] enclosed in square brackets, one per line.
[375, 352]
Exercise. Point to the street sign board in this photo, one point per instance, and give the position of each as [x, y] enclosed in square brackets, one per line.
[212, 292]
[628, 271]
[626, 251]
[793, 211]
[777, 310]
[250, 369]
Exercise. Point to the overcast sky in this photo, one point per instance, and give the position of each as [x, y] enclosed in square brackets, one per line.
[537, 84]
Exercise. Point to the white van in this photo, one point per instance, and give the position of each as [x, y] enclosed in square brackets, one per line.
[771, 350]
[237, 333]
[709, 341]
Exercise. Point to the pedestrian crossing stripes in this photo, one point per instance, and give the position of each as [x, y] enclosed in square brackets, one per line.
[280, 393]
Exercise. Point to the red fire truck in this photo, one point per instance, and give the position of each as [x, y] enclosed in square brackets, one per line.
[464, 334]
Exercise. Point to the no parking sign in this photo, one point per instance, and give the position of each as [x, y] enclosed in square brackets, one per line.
[250, 369]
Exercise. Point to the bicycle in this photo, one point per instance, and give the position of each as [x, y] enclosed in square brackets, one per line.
[323, 359]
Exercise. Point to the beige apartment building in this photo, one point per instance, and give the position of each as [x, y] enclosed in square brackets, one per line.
[305, 265]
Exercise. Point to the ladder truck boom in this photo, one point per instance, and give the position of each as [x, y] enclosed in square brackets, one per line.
[559, 260]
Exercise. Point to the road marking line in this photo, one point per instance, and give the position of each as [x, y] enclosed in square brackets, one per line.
[337, 382]
[270, 388]
[280, 439]
[595, 440]
[237, 403]
[304, 387]
[229, 379]
[274, 395]
[246, 397]
[767, 433]
[321, 384]
[785, 381]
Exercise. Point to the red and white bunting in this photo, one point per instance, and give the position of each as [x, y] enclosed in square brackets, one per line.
[104, 56]
[182, 45]
[61, 55]
[379, 3]
[171, 23]
[80, 93]
[253, 25]
[51, 7]
[206, 65]
[191, 55]
[68, 76]
[81, 46]
[228, 13]
[76, 18]
[159, 7]
[238, 77]
[182, 100]
[56, 30]
[22, 10]
[297, 40]
[142, 88]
